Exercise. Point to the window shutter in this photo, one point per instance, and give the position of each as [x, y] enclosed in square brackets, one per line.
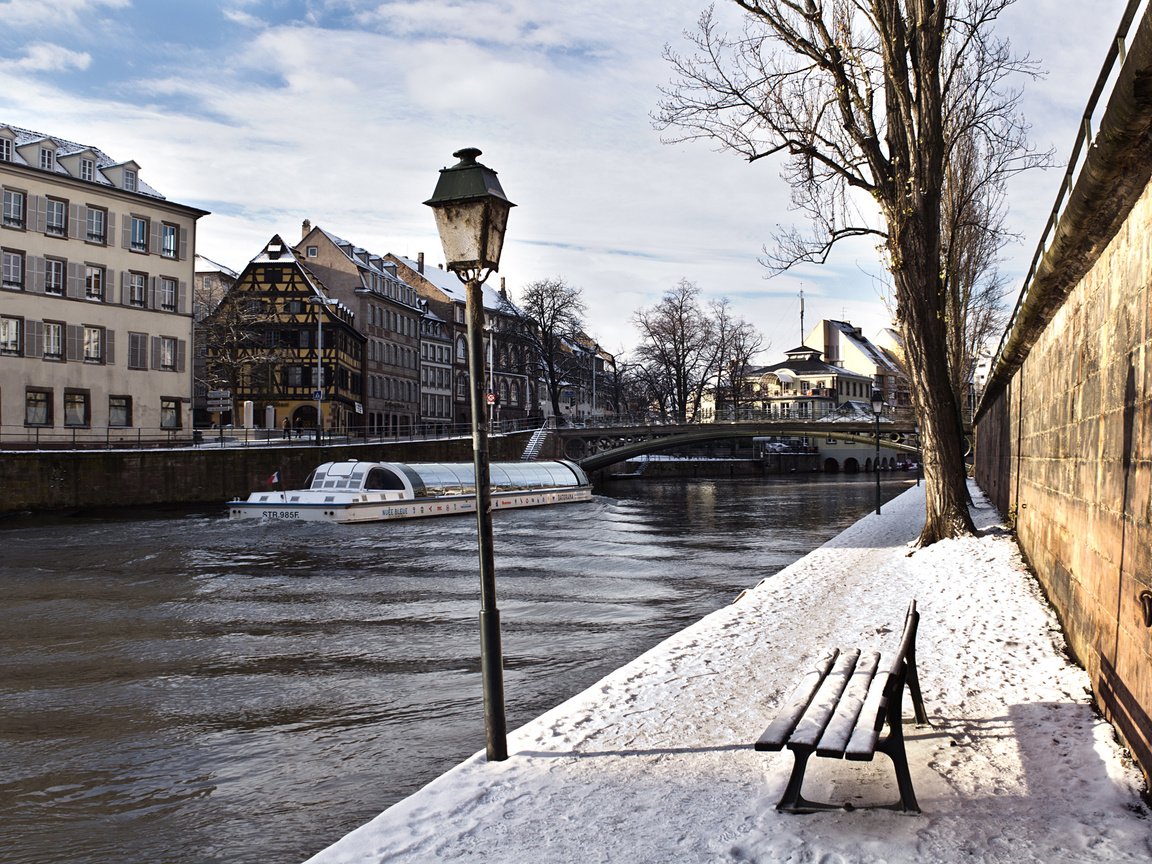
[155, 352]
[38, 213]
[154, 240]
[74, 342]
[152, 304]
[77, 227]
[125, 290]
[182, 298]
[34, 278]
[110, 229]
[182, 244]
[33, 338]
[75, 286]
[181, 351]
[109, 347]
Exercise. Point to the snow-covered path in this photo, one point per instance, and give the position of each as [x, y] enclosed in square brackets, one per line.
[654, 763]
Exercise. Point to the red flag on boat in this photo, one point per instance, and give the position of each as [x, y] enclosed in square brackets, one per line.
[274, 479]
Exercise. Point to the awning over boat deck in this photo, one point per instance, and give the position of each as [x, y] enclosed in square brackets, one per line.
[435, 478]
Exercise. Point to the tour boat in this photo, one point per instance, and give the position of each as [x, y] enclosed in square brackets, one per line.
[356, 491]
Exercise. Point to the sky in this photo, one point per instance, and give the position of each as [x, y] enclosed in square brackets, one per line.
[654, 763]
[269, 112]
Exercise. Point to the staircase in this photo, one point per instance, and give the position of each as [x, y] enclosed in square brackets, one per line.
[536, 444]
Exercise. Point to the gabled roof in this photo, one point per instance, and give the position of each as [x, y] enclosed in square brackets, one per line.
[446, 282]
[205, 264]
[66, 148]
[877, 355]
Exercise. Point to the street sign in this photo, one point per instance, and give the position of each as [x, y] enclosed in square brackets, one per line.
[491, 398]
[219, 400]
[317, 395]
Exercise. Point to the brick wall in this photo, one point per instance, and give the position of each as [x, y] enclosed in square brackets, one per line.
[206, 475]
[1067, 447]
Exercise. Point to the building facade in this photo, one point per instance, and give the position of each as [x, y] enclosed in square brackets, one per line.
[96, 271]
[388, 313]
[280, 341]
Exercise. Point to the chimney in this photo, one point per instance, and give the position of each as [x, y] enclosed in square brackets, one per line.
[503, 289]
[420, 263]
[305, 228]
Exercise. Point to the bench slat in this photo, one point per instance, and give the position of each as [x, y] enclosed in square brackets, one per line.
[840, 727]
[862, 745]
[777, 733]
[815, 719]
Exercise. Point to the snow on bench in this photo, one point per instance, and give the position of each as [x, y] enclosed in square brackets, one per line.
[840, 709]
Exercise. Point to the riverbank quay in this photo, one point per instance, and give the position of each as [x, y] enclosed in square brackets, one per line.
[654, 763]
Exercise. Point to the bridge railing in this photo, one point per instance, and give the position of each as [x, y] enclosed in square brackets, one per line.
[804, 413]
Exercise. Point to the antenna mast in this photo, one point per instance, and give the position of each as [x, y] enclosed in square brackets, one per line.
[801, 316]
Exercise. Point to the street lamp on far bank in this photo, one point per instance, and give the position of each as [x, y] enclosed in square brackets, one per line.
[471, 215]
[877, 409]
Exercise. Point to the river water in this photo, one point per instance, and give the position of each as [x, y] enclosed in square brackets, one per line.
[181, 688]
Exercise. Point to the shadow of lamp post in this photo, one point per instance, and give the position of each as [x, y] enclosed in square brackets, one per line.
[877, 409]
[471, 215]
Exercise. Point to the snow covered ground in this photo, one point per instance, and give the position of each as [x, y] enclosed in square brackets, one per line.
[654, 763]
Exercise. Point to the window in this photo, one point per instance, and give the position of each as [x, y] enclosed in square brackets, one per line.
[169, 235]
[57, 218]
[94, 282]
[13, 208]
[10, 334]
[167, 294]
[93, 344]
[12, 269]
[169, 413]
[53, 340]
[87, 169]
[5, 149]
[97, 225]
[47, 159]
[129, 179]
[294, 376]
[167, 349]
[138, 289]
[137, 350]
[55, 276]
[313, 251]
[119, 410]
[76, 408]
[139, 237]
[37, 407]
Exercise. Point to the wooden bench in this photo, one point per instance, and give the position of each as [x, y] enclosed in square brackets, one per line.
[840, 709]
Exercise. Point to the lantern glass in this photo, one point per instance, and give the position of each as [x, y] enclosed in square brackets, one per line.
[877, 402]
[472, 232]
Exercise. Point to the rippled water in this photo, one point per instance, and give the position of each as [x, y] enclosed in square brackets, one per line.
[182, 688]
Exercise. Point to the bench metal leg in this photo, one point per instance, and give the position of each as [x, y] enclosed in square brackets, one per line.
[893, 746]
[793, 801]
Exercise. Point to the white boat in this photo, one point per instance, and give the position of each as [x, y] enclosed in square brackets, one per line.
[374, 491]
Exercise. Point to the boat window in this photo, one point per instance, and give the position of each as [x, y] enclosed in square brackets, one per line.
[382, 478]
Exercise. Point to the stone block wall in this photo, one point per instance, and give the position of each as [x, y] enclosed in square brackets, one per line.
[1066, 447]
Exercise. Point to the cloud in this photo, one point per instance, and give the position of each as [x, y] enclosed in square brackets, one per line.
[59, 14]
[46, 57]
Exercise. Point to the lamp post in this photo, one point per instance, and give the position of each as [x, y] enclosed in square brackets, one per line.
[319, 389]
[471, 215]
[877, 408]
[595, 351]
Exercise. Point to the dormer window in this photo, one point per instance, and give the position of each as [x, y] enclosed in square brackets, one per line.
[5, 149]
[129, 180]
[87, 170]
[47, 159]
[313, 251]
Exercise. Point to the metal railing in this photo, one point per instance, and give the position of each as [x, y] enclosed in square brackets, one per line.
[1109, 74]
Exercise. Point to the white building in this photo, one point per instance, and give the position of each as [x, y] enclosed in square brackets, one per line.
[96, 272]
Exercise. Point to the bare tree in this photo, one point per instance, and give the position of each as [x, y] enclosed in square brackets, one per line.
[737, 343]
[678, 349]
[556, 312]
[241, 347]
[858, 96]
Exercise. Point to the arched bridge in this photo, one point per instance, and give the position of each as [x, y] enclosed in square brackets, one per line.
[600, 446]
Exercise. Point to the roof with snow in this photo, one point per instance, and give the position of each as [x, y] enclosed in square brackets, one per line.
[21, 138]
[877, 355]
[446, 282]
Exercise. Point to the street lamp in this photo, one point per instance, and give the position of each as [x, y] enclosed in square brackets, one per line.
[877, 408]
[319, 389]
[471, 215]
